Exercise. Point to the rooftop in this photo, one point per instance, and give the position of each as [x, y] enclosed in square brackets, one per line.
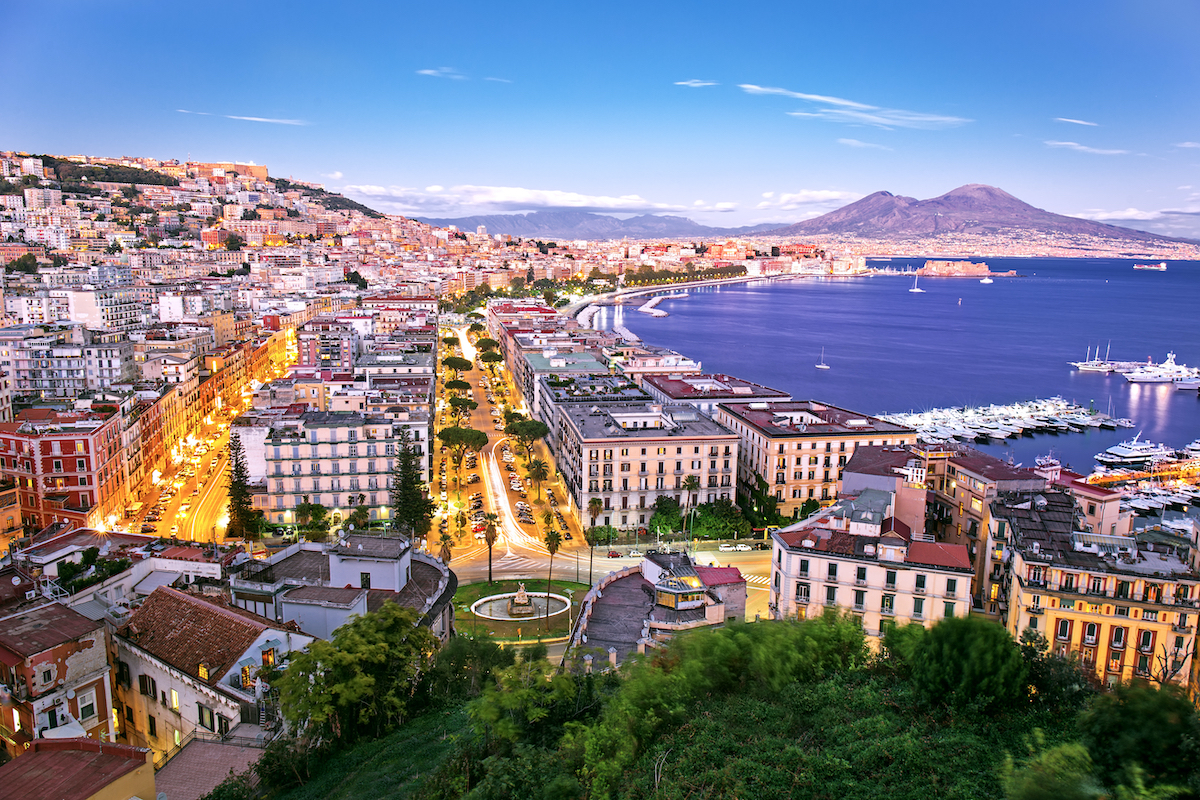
[713, 386]
[37, 630]
[360, 546]
[810, 418]
[69, 769]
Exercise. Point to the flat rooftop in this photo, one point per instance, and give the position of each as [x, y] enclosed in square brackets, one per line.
[810, 418]
[712, 386]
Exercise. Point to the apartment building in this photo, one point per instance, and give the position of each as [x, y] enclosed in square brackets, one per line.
[1127, 608]
[338, 459]
[66, 466]
[799, 448]
[706, 391]
[53, 677]
[856, 556]
[962, 483]
[328, 344]
[627, 455]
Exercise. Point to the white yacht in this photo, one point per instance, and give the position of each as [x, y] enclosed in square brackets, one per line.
[914, 286]
[1165, 372]
[1134, 452]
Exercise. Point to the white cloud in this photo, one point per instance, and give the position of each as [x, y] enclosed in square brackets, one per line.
[1085, 149]
[696, 83]
[443, 72]
[268, 120]
[271, 120]
[1077, 121]
[857, 143]
[1100, 215]
[1188, 144]
[837, 109]
[498, 80]
[827, 199]
[469, 199]
[336, 175]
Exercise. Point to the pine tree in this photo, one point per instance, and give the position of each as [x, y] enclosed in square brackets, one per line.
[412, 511]
[241, 514]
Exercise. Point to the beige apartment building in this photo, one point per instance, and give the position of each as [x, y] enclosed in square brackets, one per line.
[798, 448]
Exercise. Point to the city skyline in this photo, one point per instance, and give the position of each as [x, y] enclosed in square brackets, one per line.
[776, 115]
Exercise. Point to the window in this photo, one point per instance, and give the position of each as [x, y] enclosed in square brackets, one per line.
[951, 588]
[1118, 638]
[948, 610]
[860, 600]
[888, 606]
[222, 725]
[802, 593]
[205, 718]
[831, 595]
[124, 678]
[151, 726]
[147, 686]
[1145, 640]
[174, 700]
[47, 676]
[1064, 629]
[87, 705]
[918, 607]
[1089, 633]
[364, 580]
[804, 568]
[832, 572]
[268, 655]
[890, 579]
[202, 671]
[860, 576]
[920, 585]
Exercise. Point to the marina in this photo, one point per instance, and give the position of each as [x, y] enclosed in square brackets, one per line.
[998, 423]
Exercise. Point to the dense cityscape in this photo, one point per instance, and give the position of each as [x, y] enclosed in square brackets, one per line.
[285, 481]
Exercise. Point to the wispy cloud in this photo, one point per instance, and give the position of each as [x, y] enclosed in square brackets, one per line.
[443, 72]
[1183, 220]
[271, 120]
[857, 143]
[469, 199]
[816, 200]
[695, 83]
[268, 120]
[1082, 148]
[336, 175]
[1077, 121]
[1188, 144]
[498, 80]
[838, 109]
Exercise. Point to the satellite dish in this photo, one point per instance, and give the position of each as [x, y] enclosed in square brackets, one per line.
[16, 580]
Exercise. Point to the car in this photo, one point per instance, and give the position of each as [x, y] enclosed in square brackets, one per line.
[613, 554]
[480, 536]
[635, 553]
[742, 547]
[149, 529]
[174, 529]
[567, 535]
[479, 528]
[725, 547]
[443, 495]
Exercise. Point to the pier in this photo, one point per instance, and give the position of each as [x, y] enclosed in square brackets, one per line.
[998, 423]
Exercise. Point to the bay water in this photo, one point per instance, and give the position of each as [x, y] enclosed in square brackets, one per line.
[959, 343]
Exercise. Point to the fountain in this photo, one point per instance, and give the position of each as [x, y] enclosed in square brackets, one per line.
[519, 605]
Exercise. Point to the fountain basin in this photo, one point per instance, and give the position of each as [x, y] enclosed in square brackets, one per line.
[496, 606]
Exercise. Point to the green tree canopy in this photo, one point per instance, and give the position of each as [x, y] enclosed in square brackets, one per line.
[486, 344]
[412, 510]
[459, 440]
[476, 327]
[491, 357]
[457, 364]
[458, 386]
[360, 683]
[526, 432]
[1156, 730]
[968, 662]
[242, 520]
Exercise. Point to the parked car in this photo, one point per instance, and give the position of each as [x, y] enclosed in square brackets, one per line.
[725, 547]
[635, 553]
[742, 547]
[613, 554]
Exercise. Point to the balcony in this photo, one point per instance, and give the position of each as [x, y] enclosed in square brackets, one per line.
[919, 590]
[890, 587]
[860, 581]
[1181, 628]
[1036, 610]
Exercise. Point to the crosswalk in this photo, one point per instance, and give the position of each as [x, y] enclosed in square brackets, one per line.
[758, 580]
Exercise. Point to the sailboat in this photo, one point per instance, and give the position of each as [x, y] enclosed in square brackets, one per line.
[822, 365]
[914, 286]
[986, 279]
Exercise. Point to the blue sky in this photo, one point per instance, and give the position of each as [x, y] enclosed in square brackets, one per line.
[730, 115]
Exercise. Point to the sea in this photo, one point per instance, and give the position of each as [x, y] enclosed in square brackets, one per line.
[959, 343]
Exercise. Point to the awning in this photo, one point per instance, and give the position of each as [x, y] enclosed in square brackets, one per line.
[9, 658]
[154, 580]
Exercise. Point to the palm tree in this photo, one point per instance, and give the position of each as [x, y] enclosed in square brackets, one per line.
[595, 507]
[445, 552]
[690, 484]
[489, 535]
[552, 541]
[539, 471]
[547, 519]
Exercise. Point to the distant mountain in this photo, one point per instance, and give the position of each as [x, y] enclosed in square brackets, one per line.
[586, 225]
[971, 209]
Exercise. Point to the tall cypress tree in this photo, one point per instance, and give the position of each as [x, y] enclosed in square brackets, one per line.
[412, 511]
[241, 514]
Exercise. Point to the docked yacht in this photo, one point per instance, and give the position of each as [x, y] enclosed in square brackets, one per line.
[1165, 372]
[1134, 452]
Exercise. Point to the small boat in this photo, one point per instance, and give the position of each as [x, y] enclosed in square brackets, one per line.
[914, 286]
[822, 364]
[1159, 267]
[987, 279]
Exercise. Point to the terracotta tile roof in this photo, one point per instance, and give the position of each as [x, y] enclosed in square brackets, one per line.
[37, 630]
[938, 554]
[69, 769]
[719, 576]
[185, 631]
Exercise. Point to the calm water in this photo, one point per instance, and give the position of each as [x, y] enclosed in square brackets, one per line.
[959, 343]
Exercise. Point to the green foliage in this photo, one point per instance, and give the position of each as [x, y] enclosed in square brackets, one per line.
[476, 327]
[412, 510]
[456, 364]
[242, 524]
[491, 357]
[359, 684]
[539, 471]
[666, 515]
[720, 519]
[358, 280]
[486, 344]
[900, 644]
[969, 663]
[313, 519]
[235, 787]
[1054, 680]
[463, 668]
[1153, 730]
[646, 274]
[526, 432]
[234, 243]
[459, 440]
[69, 172]
[528, 701]
[27, 263]
[458, 386]
[360, 518]
[1065, 772]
